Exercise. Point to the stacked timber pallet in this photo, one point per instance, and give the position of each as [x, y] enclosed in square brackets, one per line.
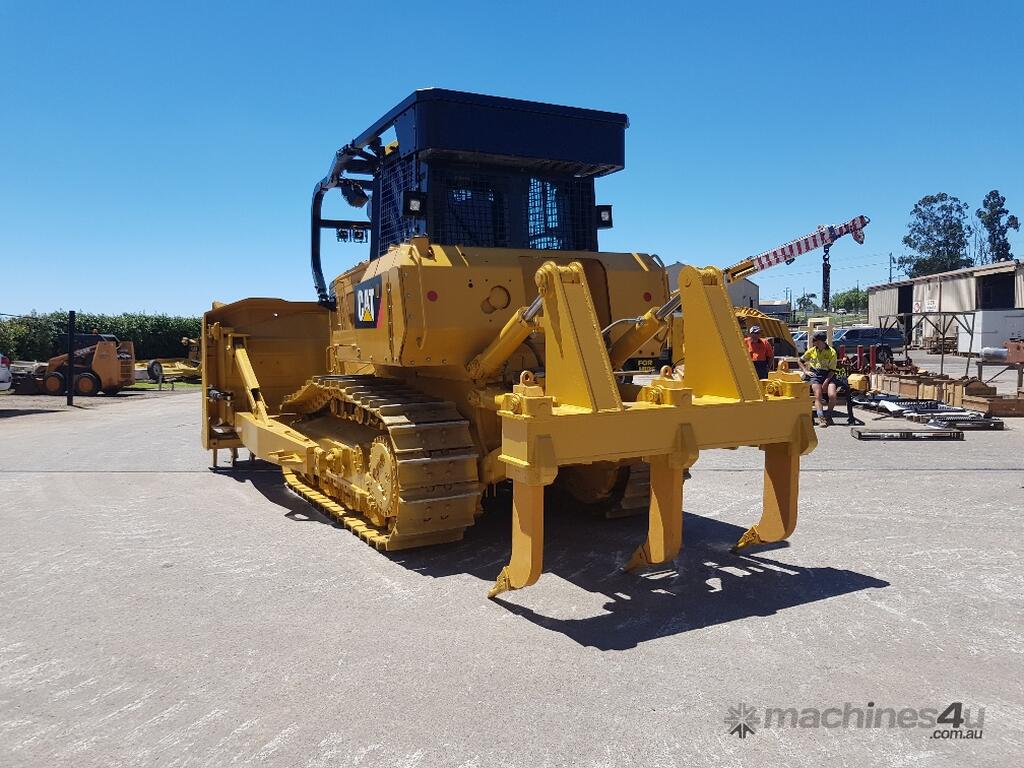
[978, 396]
[995, 405]
[970, 387]
[919, 386]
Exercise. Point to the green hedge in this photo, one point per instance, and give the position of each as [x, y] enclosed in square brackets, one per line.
[34, 337]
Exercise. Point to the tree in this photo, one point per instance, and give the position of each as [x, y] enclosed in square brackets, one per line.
[806, 302]
[991, 215]
[35, 336]
[979, 252]
[851, 300]
[938, 233]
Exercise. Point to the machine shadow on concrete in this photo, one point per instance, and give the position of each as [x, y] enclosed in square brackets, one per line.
[6, 413]
[706, 585]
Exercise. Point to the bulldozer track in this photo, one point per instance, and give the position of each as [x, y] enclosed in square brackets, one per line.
[637, 493]
[415, 483]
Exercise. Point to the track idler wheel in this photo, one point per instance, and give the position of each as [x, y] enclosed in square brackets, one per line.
[382, 484]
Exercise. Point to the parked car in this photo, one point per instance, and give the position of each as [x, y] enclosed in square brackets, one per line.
[801, 342]
[887, 340]
[5, 373]
[868, 335]
[840, 311]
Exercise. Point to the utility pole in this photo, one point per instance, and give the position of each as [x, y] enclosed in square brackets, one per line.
[892, 261]
[69, 382]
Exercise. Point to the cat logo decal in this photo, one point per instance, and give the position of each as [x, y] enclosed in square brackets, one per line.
[367, 310]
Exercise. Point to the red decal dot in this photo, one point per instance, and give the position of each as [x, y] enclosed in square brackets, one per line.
[431, 295]
[647, 295]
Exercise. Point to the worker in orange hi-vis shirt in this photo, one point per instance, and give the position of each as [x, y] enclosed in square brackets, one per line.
[760, 351]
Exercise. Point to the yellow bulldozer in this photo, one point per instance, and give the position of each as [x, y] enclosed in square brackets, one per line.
[480, 344]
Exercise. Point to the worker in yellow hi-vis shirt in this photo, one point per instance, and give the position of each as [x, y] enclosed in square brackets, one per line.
[819, 362]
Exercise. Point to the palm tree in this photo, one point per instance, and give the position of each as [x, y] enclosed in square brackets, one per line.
[805, 303]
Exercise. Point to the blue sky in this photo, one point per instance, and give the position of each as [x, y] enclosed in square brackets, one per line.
[155, 157]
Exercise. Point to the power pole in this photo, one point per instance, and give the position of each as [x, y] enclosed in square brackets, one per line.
[69, 382]
[892, 261]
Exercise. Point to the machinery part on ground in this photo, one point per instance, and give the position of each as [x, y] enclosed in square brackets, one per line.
[859, 382]
[173, 368]
[1014, 351]
[906, 434]
[102, 363]
[971, 420]
[25, 372]
[467, 351]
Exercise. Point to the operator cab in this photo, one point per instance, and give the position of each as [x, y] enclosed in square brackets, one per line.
[474, 170]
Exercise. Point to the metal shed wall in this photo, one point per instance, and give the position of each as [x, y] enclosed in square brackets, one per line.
[955, 294]
[882, 302]
[959, 294]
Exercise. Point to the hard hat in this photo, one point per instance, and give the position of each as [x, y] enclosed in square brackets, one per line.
[755, 329]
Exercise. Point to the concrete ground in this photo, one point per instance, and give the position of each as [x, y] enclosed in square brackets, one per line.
[155, 613]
